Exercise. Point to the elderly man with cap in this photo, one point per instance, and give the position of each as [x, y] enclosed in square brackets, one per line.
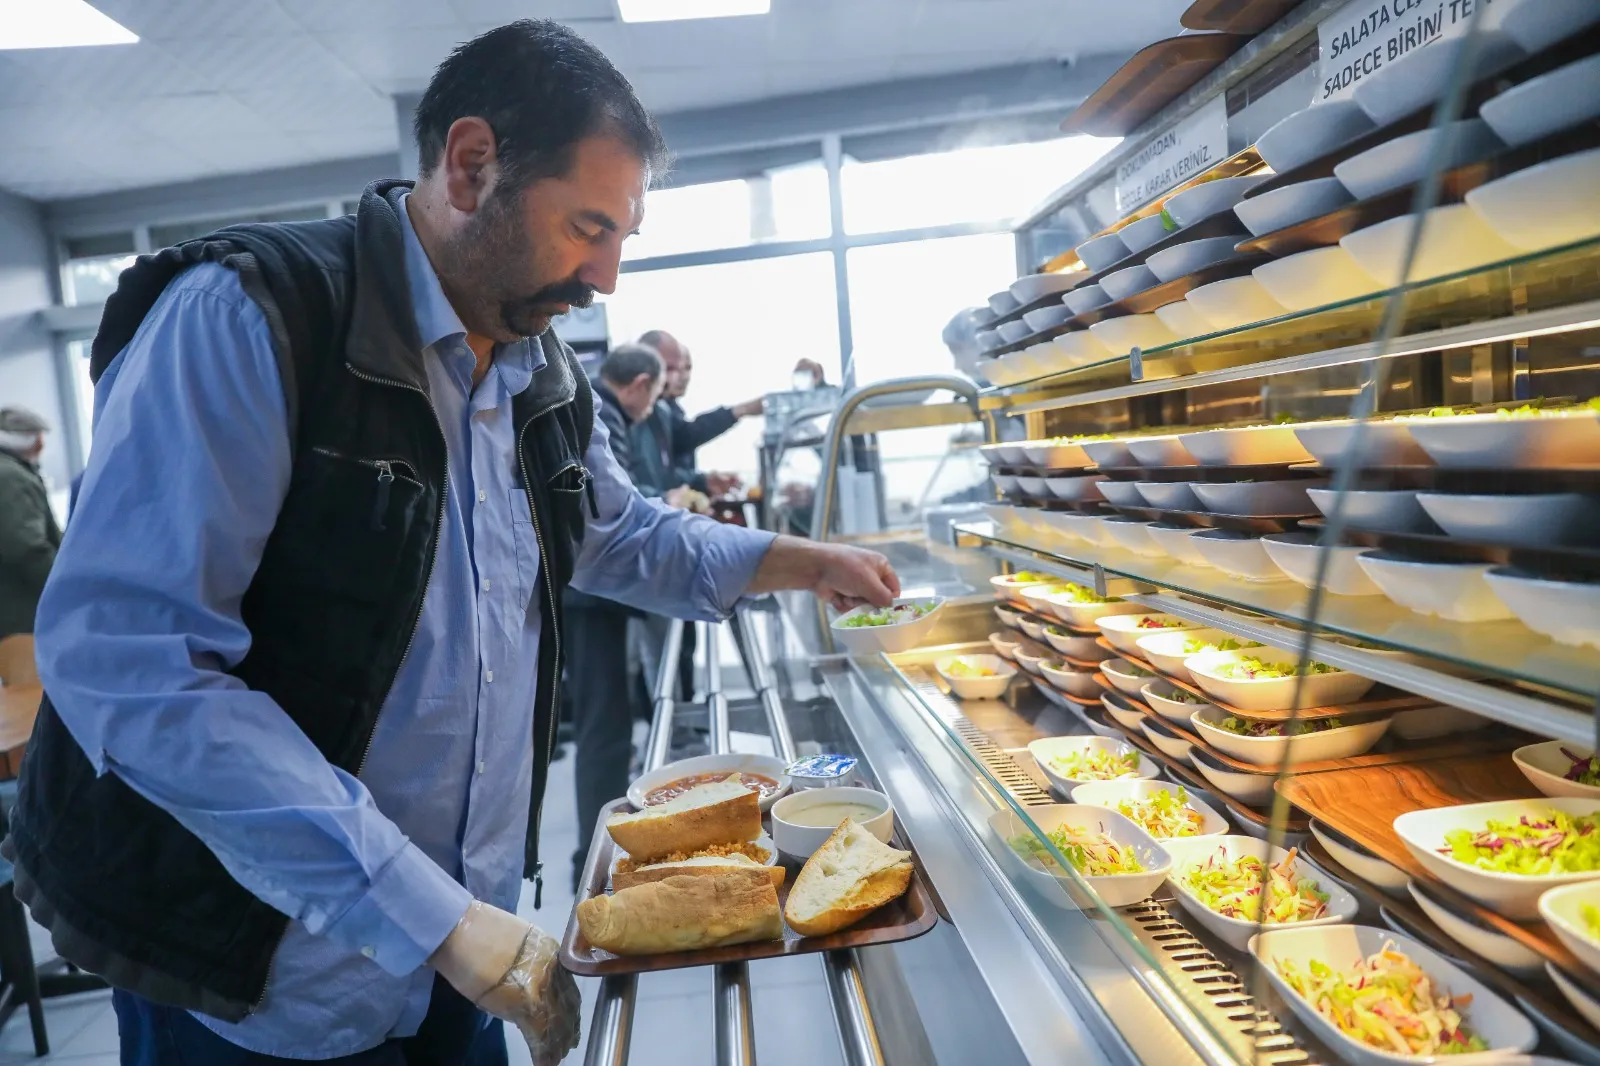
[29, 535]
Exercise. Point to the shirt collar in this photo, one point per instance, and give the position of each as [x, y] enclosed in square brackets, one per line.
[437, 321]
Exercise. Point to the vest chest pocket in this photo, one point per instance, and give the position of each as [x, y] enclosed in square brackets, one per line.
[527, 541]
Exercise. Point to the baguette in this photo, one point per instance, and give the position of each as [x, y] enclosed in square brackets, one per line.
[698, 866]
[684, 913]
[850, 876]
[722, 812]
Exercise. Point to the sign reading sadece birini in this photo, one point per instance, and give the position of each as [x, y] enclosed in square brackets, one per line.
[1367, 35]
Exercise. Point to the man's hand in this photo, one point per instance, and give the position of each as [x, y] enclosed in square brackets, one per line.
[842, 575]
[721, 484]
[678, 497]
[750, 407]
[509, 969]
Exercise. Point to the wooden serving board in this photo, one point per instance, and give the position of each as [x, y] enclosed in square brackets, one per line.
[903, 919]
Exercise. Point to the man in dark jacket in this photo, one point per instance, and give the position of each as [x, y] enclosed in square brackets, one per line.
[29, 535]
[676, 436]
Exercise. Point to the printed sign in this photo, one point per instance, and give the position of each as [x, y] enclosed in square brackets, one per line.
[1368, 35]
[1192, 147]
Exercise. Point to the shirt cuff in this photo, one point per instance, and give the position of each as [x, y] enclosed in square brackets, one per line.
[406, 914]
[728, 565]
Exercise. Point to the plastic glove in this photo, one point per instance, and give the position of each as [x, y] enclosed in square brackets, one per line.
[509, 969]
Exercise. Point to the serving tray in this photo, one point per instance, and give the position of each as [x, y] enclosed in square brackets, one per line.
[903, 919]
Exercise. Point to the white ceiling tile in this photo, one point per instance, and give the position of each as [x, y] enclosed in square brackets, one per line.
[369, 14]
[503, 11]
[389, 58]
[160, 20]
[709, 45]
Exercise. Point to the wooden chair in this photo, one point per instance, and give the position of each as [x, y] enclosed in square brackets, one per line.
[17, 665]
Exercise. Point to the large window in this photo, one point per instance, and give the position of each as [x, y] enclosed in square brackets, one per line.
[786, 204]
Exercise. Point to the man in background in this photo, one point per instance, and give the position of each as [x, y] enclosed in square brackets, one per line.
[677, 436]
[29, 538]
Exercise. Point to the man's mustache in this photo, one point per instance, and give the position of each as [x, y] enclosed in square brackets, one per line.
[572, 292]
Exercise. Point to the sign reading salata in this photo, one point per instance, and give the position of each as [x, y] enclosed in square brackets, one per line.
[1368, 35]
[1191, 147]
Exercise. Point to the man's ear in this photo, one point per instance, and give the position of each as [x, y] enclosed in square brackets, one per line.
[470, 163]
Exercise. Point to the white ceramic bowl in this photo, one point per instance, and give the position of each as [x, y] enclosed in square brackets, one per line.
[1379, 510]
[1101, 252]
[1540, 520]
[988, 339]
[1276, 693]
[1085, 615]
[1169, 495]
[1422, 75]
[1055, 454]
[1122, 494]
[1005, 484]
[1487, 1014]
[1515, 896]
[1084, 527]
[731, 763]
[1363, 443]
[1123, 631]
[1012, 332]
[1084, 649]
[1291, 205]
[1044, 751]
[1454, 239]
[1406, 160]
[1195, 852]
[1047, 317]
[1108, 794]
[1145, 232]
[1340, 743]
[1120, 284]
[1537, 24]
[1359, 861]
[1030, 659]
[1128, 677]
[1175, 541]
[1253, 789]
[1083, 488]
[1163, 449]
[1563, 98]
[1012, 585]
[1239, 554]
[1210, 198]
[1162, 697]
[1167, 742]
[979, 688]
[1180, 260]
[1120, 712]
[1033, 486]
[1246, 446]
[1005, 645]
[799, 841]
[1033, 287]
[1545, 205]
[1086, 298]
[1583, 1000]
[1118, 890]
[1008, 617]
[1430, 722]
[869, 640]
[1006, 454]
[1184, 319]
[1314, 278]
[1234, 302]
[1082, 348]
[1032, 629]
[1134, 535]
[1003, 303]
[1037, 598]
[1167, 652]
[1079, 684]
[1311, 133]
[1489, 441]
[1454, 591]
[1286, 497]
[1567, 612]
[1298, 555]
[1545, 766]
[1562, 910]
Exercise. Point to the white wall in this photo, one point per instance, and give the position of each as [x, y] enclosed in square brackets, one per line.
[27, 359]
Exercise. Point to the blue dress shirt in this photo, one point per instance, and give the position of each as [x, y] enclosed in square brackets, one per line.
[140, 618]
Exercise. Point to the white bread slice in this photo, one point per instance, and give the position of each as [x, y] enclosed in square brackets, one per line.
[699, 866]
[721, 812]
[850, 876]
[684, 914]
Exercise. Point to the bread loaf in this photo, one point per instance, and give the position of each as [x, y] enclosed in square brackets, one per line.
[850, 876]
[684, 913]
[721, 812]
[698, 866]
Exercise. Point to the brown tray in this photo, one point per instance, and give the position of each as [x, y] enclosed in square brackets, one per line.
[1151, 79]
[1380, 700]
[1235, 16]
[903, 919]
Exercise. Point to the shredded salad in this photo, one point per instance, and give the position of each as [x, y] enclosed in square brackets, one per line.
[1026, 577]
[1091, 854]
[1096, 764]
[1160, 621]
[1250, 668]
[1236, 888]
[968, 668]
[1075, 593]
[1387, 1002]
[1164, 815]
[1585, 769]
[1245, 728]
[887, 616]
[1195, 645]
[1591, 919]
[1556, 843]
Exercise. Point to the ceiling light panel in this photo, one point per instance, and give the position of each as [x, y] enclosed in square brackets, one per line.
[672, 10]
[58, 24]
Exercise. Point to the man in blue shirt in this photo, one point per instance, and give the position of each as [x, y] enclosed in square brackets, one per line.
[301, 642]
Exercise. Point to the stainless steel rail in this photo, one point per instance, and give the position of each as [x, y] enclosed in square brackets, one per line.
[611, 1025]
[760, 667]
[822, 506]
[733, 1036]
[716, 703]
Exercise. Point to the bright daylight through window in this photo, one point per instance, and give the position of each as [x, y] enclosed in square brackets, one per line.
[58, 24]
[668, 10]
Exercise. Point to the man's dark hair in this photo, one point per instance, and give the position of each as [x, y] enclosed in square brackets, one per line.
[627, 361]
[542, 89]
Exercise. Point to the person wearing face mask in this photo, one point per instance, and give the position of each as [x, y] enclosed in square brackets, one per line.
[302, 645]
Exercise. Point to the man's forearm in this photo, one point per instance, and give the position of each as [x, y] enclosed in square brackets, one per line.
[839, 573]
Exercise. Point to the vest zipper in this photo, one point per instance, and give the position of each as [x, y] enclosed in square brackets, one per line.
[555, 680]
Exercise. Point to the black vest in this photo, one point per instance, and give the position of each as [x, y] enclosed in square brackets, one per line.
[124, 889]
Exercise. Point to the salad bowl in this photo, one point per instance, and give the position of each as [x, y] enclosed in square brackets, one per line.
[1137, 236]
[1079, 684]
[1084, 649]
[1274, 749]
[1057, 453]
[1122, 493]
[1299, 554]
[1031, 628]
[1091, 759]
[1184, 319]
[1477, 937]
[1171, 702]
[1108, 828]
[1005, 645]
[1013, 584]
[1253, 788]
[1504, 440]
[1453, 590]
[1564, 611]
[1031, 287]
[1167, 651]
[1120, 711]
[1573, 914]
[1175, 541]
[1008, 617]
[1127, 677]
[1082, 609]
[1264, 679]
[1359, 861]
[1502, 1028]
[1103, 251]
[1560, 769]
[1076, 489]
[1167, 742]
[1112, 452]
[1222, 858]
[1378, 510]
[1169, 495]
[1156, 807]
[1031, 659]
[1122, 631]
[1238, 554]
[1520, 825]
[1133, 534]
[1163, 449]
[1245, 446]
[1583, 1000]
[976, 677]
[866, 630]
